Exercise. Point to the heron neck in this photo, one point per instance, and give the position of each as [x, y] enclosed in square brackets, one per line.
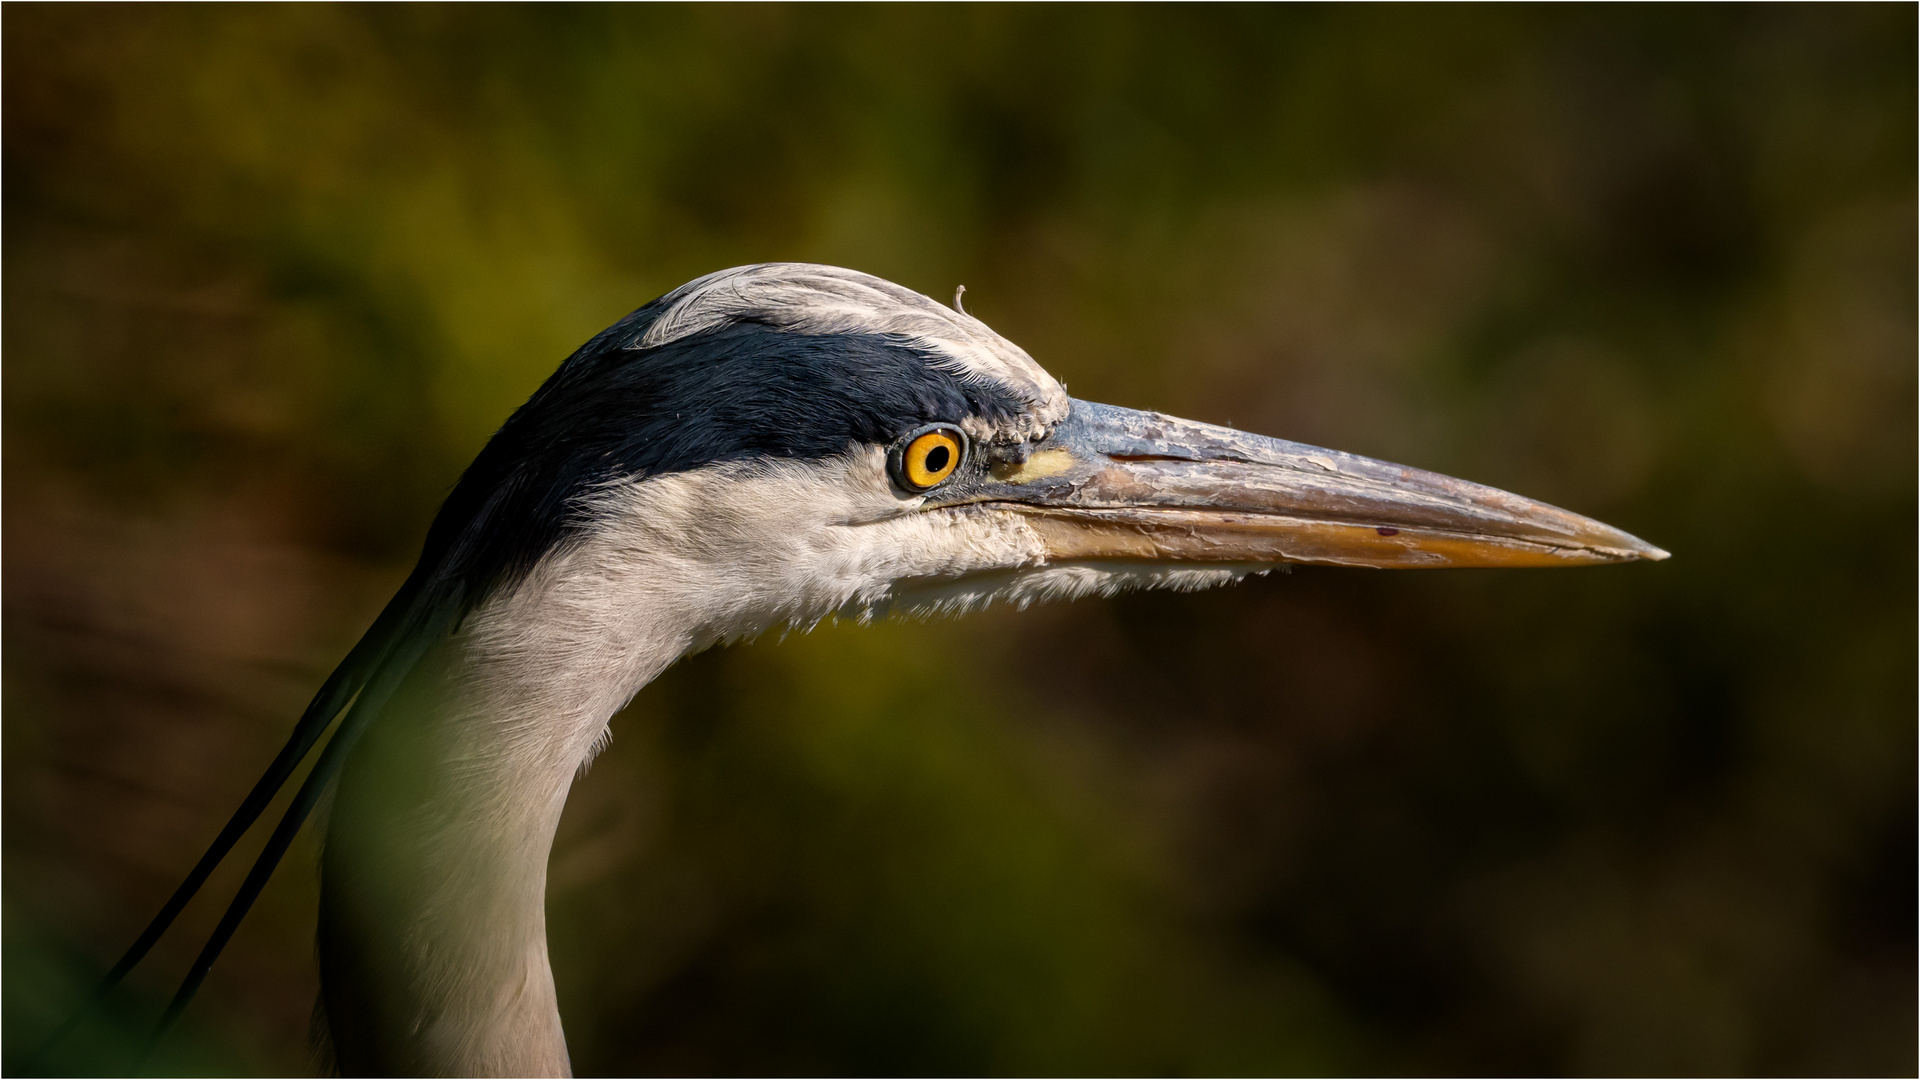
[433, 926]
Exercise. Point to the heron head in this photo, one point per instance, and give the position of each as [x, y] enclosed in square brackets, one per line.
[767, 445]
[779, 443]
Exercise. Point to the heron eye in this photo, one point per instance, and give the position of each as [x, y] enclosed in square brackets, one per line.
[929, 458]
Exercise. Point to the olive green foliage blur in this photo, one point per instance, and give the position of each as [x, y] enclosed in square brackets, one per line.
[272, 275]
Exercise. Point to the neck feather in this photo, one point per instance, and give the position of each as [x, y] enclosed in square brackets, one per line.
[433, 927]
[433, 932]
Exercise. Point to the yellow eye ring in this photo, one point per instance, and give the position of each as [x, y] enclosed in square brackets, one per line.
[929, 457]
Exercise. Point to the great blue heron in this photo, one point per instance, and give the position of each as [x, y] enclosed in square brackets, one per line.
[765, 446]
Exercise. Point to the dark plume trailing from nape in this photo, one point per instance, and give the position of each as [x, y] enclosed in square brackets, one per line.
[417, 615]
[613, 411]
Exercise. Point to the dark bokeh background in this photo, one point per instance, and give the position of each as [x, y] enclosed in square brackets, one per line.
[273, 274]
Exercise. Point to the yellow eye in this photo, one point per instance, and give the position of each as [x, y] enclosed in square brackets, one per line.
[929, 458]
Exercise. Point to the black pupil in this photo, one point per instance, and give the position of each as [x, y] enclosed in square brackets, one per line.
[937, 459]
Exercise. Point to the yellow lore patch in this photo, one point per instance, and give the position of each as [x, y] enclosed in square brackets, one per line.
[1038, 467]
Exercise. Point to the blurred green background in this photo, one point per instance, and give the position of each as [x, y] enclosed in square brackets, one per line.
[272, 275]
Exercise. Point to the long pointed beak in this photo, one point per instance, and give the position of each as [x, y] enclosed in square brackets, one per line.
[1112, 483]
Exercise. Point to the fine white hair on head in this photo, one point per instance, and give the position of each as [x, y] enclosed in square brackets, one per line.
[934, 597]
[673, 564]
[809, 298]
